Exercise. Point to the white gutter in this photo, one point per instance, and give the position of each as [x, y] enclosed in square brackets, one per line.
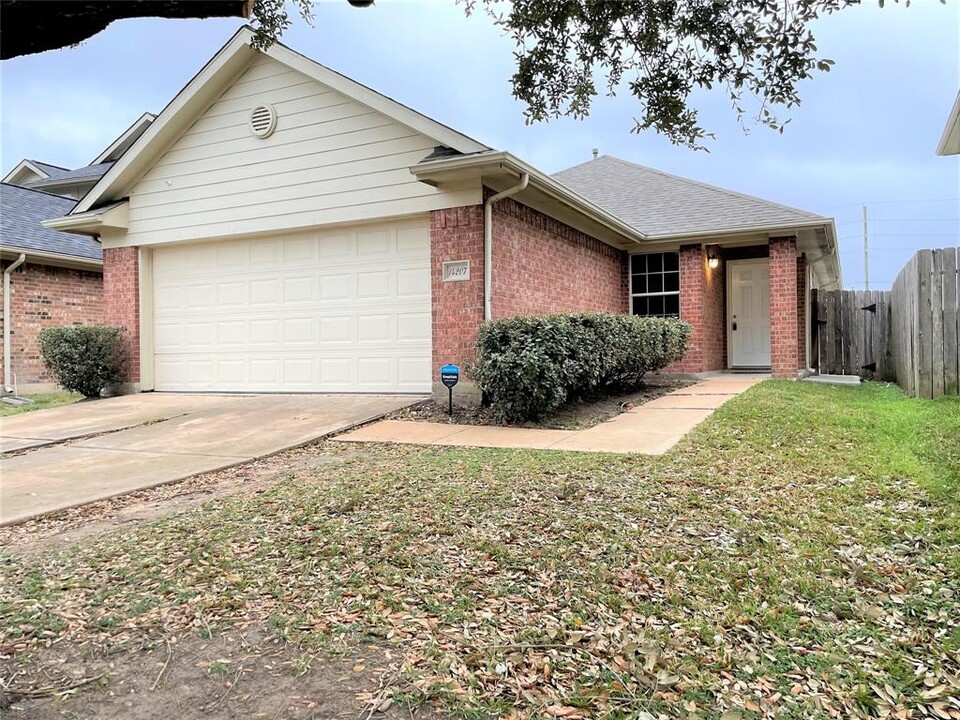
[745, 230]
[70, 261]
[7, 372]
[542, 182]
[488, 242]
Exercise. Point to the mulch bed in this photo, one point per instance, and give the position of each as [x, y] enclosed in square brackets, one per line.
[578, 415]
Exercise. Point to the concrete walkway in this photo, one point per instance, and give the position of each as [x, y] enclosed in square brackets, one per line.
[89, 451]
[650, 429]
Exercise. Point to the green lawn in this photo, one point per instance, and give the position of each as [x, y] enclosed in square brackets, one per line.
[797, 556]
[41, 402]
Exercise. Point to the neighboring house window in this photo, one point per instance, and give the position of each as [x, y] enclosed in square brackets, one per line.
[655, 284]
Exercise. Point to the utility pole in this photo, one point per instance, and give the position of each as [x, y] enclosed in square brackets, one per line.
[866, 255]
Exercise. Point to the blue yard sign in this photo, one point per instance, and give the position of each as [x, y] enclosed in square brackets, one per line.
[450, 376]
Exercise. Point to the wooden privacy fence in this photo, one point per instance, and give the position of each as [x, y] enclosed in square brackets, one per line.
[851, 333]
[924, 324]
[910, 334]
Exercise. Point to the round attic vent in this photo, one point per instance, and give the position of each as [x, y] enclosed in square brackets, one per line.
[263, 121]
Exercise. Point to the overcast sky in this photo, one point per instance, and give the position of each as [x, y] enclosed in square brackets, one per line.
[865, 133]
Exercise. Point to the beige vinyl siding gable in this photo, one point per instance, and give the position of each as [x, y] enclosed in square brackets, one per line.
[330, 160]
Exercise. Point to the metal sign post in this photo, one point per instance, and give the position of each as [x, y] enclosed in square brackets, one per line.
[450, 376]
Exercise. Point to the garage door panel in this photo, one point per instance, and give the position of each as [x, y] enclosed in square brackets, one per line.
[345, 310]
[374, 242]
[413, 282]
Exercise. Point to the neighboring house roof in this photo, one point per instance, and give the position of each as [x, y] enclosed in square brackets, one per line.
[65, 177]
[50, 170]
[659, 204]
[210, 82]
[21, 212]
[950, 140]
[28, 171]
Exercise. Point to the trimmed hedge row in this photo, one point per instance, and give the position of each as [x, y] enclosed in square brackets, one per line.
[529, 366]
[83, 358]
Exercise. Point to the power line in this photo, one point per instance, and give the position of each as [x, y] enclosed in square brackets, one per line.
[893, 202]
[913, 235]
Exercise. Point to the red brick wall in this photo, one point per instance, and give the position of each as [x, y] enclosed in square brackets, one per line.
[783, 307]
[702, 295]
[541, 266]
[456, 234]
[121, 301]
[43, 296]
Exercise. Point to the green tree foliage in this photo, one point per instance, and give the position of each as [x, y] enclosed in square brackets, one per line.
[661, 51]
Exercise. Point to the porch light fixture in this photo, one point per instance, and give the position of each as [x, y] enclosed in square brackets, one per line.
[712, 260]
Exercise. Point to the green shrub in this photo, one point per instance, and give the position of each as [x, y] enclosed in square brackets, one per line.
[83, 358]
[529, 366]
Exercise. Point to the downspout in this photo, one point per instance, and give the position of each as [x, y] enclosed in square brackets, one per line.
[7, 372]
[488, 243]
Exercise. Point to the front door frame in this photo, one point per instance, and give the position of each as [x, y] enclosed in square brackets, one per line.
[730, 264]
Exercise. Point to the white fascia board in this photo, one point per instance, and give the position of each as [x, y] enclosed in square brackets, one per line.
[21, 166]
[950, 139]
[50, 258]
[93, 222]
[768, 229]
[375, 100]
[195, 97]
[146, 118]
[485, 161]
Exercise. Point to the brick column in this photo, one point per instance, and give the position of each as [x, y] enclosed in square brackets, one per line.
[714, 314]
[783, 307]
[121, 303]
[693, 291]
[456, 234]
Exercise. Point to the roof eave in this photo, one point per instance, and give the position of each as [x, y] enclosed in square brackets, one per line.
[49, 258]
[950, 139]
[65, 182]
[93, 222]
[500, 162]
[769, 228]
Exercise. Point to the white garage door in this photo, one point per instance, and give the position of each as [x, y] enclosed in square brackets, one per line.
[344, 310]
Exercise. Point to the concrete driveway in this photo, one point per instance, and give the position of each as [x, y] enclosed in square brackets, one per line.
[93, 450]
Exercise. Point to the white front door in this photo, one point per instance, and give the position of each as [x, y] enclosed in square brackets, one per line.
[748, 313]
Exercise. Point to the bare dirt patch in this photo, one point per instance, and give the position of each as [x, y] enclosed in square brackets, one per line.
[578, 415]
[240, 673]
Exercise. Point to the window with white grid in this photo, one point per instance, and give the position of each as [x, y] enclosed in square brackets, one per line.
[655, 284]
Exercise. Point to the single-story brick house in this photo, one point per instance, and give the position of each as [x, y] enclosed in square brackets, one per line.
[282, 228]
[50, 278]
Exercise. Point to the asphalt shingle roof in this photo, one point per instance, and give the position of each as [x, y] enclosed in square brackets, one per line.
[84, 173]
[657, 203]
[22, 210]
[51, 170]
